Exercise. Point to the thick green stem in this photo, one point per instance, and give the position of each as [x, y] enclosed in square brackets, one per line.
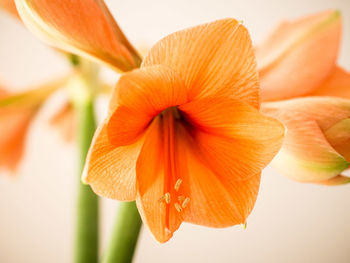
[82, 88]
[87, 203]
[125, 235]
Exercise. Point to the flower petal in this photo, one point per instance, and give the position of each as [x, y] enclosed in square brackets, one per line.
[10, 7]
[65, 121]
[235, 139]
[111, 170]
[336, 85]
[215, 58]
[339, 137]
[306, 154]
[83, 27]
[16, 113]
[212, 198]
[142, 94]
[153, 181]
[299, 55]
[14, 125]
[337, 180]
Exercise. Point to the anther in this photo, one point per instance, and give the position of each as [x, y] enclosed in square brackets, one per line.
[185, 203]
[161, 198]
[181, 198]
[177, 184]
[178, 207]
[167, 198]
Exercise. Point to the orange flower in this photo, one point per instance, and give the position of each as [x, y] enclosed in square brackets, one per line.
[16, 114]
[299, 58]
[85, 28]
[184, 135]
[317, 144]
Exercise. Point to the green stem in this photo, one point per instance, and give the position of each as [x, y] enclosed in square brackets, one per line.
[125, 235]
[87, 203]
[82, 89]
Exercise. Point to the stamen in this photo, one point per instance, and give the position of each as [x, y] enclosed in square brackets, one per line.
[161, 198]
[177, 184]
[167, 198]
[181, 198]
[178, 207]
[185, 203]
[244, 226]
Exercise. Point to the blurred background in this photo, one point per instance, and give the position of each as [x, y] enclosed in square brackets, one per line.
[291, 222]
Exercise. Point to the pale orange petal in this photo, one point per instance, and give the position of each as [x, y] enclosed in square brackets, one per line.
[306, 154]
[111, 170]
[299, 55]
[237, 141]
[65, 121]
[212, 59]
[9, 6]
[339, 137]
[14, 124]
[337, 180]
[142, 94]
[336, 85]
[83, 27]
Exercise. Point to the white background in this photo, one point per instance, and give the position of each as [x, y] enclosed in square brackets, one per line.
[291, 222]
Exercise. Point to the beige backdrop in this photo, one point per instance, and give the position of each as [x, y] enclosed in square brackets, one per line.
[291, 222]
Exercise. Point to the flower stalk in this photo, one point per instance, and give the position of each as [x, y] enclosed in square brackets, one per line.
[125, 235]
[82, 88]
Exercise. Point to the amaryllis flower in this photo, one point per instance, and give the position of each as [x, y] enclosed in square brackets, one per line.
[300, 59]
[316, 148]
[184, 135]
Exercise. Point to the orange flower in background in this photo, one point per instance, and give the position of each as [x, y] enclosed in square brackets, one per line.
[299, 59]
[316, 148]
[16, 113]
[184, 135]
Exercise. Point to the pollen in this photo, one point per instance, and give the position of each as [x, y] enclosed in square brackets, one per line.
[177, 184]
[186, 201]
[167, 198]
[178, 207]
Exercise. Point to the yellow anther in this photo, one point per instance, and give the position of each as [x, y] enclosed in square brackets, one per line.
[177, 184]
[167, 198]
[185, 203]
[244, 226]
[181, 198]
[178, 207]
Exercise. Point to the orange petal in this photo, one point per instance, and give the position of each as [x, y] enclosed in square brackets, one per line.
[9, 6]
[110, 170]
[142, 94]
[212, 199]
[336, 85]
[237, 141]
[299, 55]
[65, 121]
[14, 125]
[306, 154]
[337, 180]
[83, 27]
[154, 180]
[212, 59]
[16, 112]
[339, 137]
